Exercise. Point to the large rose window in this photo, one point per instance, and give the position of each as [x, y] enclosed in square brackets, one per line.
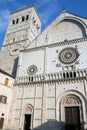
[68, 56]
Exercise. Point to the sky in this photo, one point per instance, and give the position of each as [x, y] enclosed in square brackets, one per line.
[47, 9]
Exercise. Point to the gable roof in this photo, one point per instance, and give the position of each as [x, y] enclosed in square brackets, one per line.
[64, 14]
[2, 71]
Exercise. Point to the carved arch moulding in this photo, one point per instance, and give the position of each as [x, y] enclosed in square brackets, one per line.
[70, 100]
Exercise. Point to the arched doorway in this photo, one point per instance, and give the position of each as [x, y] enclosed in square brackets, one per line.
[71, 112]
[28, 117]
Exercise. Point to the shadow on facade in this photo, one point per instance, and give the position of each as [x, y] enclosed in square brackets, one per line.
[51, 125]
[15, 67]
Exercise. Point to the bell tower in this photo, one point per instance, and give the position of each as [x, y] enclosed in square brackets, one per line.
[24, 26]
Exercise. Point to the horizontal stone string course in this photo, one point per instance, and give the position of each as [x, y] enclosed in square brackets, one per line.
[57, 44]
[61, 76]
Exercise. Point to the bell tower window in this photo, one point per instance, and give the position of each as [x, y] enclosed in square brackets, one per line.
[13, 40]
[23, 18]
[13, 22]
[27, 17]
[17, 20]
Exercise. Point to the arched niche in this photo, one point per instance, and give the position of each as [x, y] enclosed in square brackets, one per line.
[28, 109]
[67, 29]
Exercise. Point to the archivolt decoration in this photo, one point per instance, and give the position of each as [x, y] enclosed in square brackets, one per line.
[70, 100]
[32, 70]
[68, 56]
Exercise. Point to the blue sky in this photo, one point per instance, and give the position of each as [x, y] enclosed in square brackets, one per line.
[47, 9]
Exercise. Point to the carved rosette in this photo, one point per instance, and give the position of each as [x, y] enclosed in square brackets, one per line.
[32, 70]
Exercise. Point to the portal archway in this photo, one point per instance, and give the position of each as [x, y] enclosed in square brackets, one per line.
[28, 115]
[71, 112]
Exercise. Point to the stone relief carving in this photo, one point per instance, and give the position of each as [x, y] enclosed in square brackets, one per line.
[70, 100]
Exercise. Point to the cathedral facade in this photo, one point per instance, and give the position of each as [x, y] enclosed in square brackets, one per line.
[50, 69]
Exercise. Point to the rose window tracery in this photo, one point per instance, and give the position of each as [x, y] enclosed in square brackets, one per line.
[68, 56]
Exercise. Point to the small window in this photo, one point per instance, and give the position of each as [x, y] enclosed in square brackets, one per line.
[37, 26]
[3, 99]
[34, 21]
[13, 22]
[27, 17]
[6, 81]
[23, 18]
[17, 20]
[2, 114]
[13, 40]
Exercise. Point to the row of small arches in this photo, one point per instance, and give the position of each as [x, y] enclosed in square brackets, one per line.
[54, 76]
[24, 18]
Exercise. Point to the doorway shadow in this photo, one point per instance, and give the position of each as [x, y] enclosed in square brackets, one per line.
[51, 125]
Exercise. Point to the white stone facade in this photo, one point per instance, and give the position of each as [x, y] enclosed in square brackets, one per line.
[24, 26]
[51, 80]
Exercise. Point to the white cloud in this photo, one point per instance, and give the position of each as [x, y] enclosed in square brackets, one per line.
[4, 18]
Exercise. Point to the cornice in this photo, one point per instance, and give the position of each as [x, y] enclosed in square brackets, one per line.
[66, 42]
[15, 43]
[49, 45]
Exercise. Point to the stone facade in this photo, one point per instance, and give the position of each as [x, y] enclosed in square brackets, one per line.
[50, 88]
[6, 93]
[24, 26]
